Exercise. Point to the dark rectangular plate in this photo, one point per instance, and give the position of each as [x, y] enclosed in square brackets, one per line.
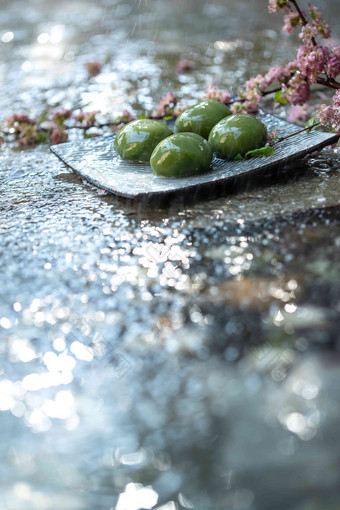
[96, 161]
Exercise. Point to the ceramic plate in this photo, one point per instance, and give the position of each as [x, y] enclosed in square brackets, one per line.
[96, 161]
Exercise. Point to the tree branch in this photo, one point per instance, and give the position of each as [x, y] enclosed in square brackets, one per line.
[303, 18]
[309, 128]
[328, 82]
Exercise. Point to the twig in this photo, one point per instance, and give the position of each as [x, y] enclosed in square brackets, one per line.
[328, 82]
[309, 128]
[265, 93]
[302, 17]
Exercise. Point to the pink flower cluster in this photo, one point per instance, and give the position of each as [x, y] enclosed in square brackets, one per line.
[165, 105]
[59, 135]
[126, 116]
[297, 90]
[24, 129]
[27, 131]
[28, 135]
[277, 5]
[333, 63]
[298, 113]
[59, 116]
[311, 60]
[252, 93]
[318, 25]
[86, 119]
[212, 93]
[314, 61]
[291, 21]
[240, 107]
[255, 87]
[330, 115]
[18, 118]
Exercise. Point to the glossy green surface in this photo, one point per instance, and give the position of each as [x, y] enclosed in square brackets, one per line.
[201, 118]
[237, 134]
[181, 155]
[137, 140]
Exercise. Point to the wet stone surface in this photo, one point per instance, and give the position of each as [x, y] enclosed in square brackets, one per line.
[175, 355]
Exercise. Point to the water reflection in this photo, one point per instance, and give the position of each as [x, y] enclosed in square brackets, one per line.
[177, 357]
[137, 497]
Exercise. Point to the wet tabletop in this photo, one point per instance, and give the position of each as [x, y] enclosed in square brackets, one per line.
[174, 355]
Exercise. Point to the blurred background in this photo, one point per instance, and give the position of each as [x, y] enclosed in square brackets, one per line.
[139, 43]
[184, 356]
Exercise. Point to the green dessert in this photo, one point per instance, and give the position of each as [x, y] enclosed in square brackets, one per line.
[137, 140]
[181, 155]
[236, 135]
[201, 118]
